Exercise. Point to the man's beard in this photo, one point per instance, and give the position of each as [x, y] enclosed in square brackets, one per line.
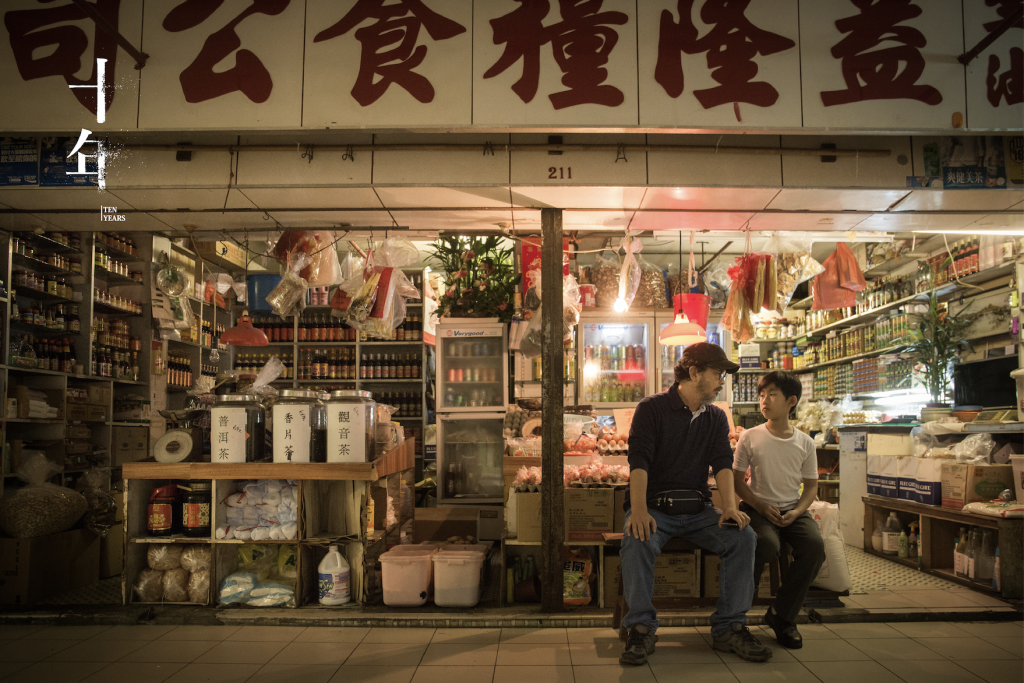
[708, 390]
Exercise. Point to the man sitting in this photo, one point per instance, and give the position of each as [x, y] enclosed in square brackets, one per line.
[780, 458]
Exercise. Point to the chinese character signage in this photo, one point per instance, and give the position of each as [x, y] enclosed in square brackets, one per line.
[824, 65]
[346, 432]
[720, 64]
[64, 161]
[291, 433]
[227, 434]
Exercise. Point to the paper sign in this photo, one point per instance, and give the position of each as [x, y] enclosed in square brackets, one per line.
[623, 420]
[346, 432]
[227, 434]
[291, 433]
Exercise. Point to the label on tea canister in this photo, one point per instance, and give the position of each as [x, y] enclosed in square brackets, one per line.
[160, 518]
[227, 434]
[197, 515]
[291, 433]
[346, 432]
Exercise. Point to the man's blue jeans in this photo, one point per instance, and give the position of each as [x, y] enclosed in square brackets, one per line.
[736, 577]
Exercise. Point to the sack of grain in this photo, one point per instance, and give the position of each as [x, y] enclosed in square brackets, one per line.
[40, 509]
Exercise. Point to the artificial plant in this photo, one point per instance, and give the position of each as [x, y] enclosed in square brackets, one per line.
[480, 278]
[936, 343]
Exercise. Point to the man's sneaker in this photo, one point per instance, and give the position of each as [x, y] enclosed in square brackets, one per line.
[785, 632]
[739, 640]
[639, 643]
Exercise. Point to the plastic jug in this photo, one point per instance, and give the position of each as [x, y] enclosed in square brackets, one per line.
[334, 578]
[891, 535]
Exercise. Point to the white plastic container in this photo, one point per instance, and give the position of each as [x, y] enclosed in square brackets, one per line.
[1018, 475]
[334, 578]
[406, 576]
[457, 578]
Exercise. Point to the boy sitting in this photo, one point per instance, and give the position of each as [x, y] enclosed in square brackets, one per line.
[780, 458]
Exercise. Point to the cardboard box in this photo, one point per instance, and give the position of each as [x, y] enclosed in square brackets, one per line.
[906, 474]
[99, 396]
[54, 398]
[963, 484]
[96, 413]
[589, 514]
[928, 481]
[528, 525]
[128, 444]
[890, 444]
[32, 569]
[228, 251]
[889, 479]
[677, 575]
[620, 515]
[112, 552]
[712, 571]
[612, 567]
[750, 355]
[874, 475]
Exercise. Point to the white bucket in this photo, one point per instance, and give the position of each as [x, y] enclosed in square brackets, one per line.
[457, 578]
[1018, 475]
[406, 577]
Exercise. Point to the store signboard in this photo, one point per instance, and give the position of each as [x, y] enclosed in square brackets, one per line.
[19, 161]
[514, 65]
[555, 64]
[995, 78]
[881, 65]
[719, 67]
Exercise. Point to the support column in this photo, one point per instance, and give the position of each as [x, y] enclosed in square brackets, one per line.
[552, 392]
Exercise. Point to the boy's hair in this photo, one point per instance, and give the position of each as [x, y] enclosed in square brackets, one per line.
[786, 382]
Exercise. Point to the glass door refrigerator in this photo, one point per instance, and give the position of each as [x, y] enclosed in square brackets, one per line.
[668, 356]
[472, 398]
[615, 359]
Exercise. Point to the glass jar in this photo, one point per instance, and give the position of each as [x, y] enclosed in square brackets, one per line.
[238, 426]
[164, 512]
[196, 510]
[300, 427]
[351, 426]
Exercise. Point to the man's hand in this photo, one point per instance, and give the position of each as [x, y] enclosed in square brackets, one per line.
[641, 525]
[735, 515]
[771, 513]
[789, 518]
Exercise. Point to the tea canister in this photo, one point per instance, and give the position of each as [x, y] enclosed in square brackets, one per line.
[351, 421]
[300, 427]
[238, 426]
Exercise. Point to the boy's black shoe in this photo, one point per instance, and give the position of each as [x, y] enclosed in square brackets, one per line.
[639, 643]
[785, 632]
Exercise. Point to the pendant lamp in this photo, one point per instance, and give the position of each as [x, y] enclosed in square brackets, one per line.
[244, 334]
[690, 309]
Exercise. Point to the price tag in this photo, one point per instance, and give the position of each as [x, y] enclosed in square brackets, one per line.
[623, 420]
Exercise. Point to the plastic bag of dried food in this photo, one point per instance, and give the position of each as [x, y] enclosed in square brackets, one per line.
[297, 251]
[631, 268]
[578, 571]
[679, 282]
[651, 291]
[529, 345]
[572, 305]
[199, 586]
[102, 512]
[718, 283]
[164, 556]
[605, 276]
[149, 585]
[40, 508]
[236, 587]
[794, 264]
[975, 449]
[289, 296]
[176, 585]
[195, 558]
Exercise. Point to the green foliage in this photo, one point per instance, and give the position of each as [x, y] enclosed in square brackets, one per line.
[936, 343]
[480, 277]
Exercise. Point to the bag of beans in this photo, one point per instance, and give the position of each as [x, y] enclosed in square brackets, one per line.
[40, 508]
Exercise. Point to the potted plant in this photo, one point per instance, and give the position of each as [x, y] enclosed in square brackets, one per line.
[480, 278]
[936, 343]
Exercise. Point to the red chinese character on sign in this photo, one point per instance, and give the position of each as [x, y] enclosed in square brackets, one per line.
[199, 81]
[731, 46]
[581, 42]
[62, 46]
[886, 74]
[395, 25]
[1010, 83]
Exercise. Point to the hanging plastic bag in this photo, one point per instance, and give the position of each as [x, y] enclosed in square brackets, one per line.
[850, 276]
[716, 282]
[572, 305]
[325, 260]
[651, 290]
[631, 268]
[40, 508]
[794, 264]
[828, 291]
[351, 280]
[530, 345]
[678, 282]
[289, 296]
[295, 250]
[605, 276]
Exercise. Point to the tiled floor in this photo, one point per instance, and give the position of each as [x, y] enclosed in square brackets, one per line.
[916, 652]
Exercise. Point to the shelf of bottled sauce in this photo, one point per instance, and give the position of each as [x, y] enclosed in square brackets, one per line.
[207, 334]
[614, 373]
[53, 355]
[55, 318]
[326, 328]
[115, 351]
[116, 244]
[179, 372]
[105, 302]
[340, 364]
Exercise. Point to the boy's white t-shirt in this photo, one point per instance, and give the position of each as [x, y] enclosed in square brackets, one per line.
[777, 466]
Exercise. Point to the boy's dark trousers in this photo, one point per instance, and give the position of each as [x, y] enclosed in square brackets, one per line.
[808, 547]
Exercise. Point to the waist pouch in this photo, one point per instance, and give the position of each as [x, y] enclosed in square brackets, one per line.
[679, 502]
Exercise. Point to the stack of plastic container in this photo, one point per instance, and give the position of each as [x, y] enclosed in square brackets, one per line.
[452, 574]
[458, 574]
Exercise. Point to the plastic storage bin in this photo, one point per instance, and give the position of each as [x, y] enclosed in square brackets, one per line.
[406, 576]
[456, 578]
[259, 286]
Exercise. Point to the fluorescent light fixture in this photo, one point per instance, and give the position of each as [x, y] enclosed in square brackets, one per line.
[1015, 233]
[910, 398]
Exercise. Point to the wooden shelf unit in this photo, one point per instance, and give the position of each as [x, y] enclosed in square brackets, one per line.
[938, 527]
[333, 500]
